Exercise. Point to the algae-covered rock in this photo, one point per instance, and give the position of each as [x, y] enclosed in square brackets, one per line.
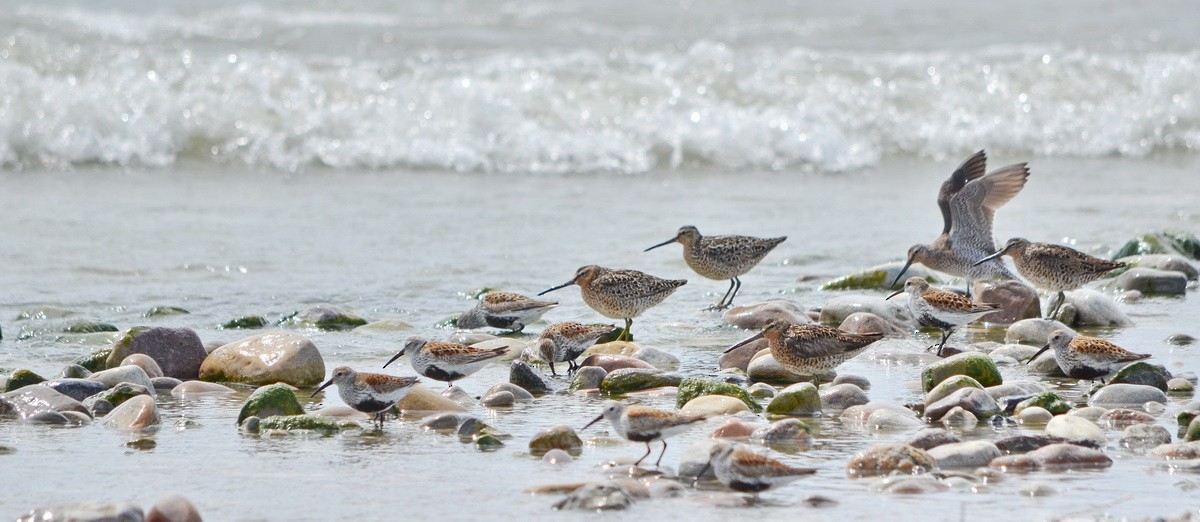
[626, 380]
[326, 317]
[797, 399]
[522, 374]
[879, 277]
[1166, 242]
[160, 311]
[86, 327]
[22, 378]
[265, 359]
[1144, 373]
[245, 322]
[972, 364]
[276, 399]
[1049, 401]
[561, 437]
[950, 385]
[691, 388]
[119, 394]
[1193, 431]
[299, 422]
[95, 361]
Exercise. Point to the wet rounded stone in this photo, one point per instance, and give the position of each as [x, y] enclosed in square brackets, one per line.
[1144, 373]
[1093, 308]
[145, 362]
[177, 352]
[48, 418]
[695, 460]
[626, 380]
[1180, 385]
[1048, 401]
[1016, 301]
[740, 357]
[165, 384]
[1180, 339]
[31, 400]
[975, 365]
[887, 419]
[1032, 331]
[836, 310]
[423, 399]
[753, 317]
[1075, 429]
[1145, 436]
[22, 378]
[446, 421]
[137, 413]
[1192, 433]
[266, 359]
[734, 429]
[1035, 415]
[1120, 418]
[912, 486]
[588, 377]
[1168, 262]
[500, 399]
[85, 512]
[325, 316]
[866, 322]
[276, 399]
[74, 371]
[1153, 281]
[119, 394]
[764, 368]
[120, 374]
[1092, 413]
[1070, 456]
[970, 454]
[960, 418]
[887, 459]
[561, 437]
[1127, 395]
[188, 389]
[612, 363]
[841, 396]
[857, 380]
[1037, 489]
[713, 405]
[691, 388]
[949, 386]
[522, 374]
[797, 399]
[762, 390]
[975, 400]
[657, 358]
[601, 496]
[1183, 451]
[929, 438]
[557, 457]
[519, 394]
[78, 389]
[786, 432]
[173, 508]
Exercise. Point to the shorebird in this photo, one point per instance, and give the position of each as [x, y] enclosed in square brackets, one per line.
[373, 393]
[444, 360]
[1085, 357]
[969, 200]
[1054, 268]
[721, 257]
[746, 471]
[620, 294]
[645, 424]
[810, 349]
[941, 309]
[564, 342]
[504, 310]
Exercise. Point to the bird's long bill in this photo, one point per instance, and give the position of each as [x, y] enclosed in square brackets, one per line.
[894, 294]
[595, 420]
[902, 271]
[394, 357]
[664, 243]
[744, 342]
[1039, 352]
[707, 464]
[322, 387]
[564, 285]
[989, 258]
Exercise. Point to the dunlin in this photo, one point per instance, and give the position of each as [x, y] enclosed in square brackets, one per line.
[504, 310]
[445, 361]
[1054, 268]
[722, 257]
[1085, 357]
[565, 342]
[969, 200]
[810, 349]
[372, 393]
[645, 424]
[746, 471]
[941, 309]
[620, 294]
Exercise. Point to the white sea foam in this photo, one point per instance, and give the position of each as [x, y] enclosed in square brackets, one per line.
[256, 85]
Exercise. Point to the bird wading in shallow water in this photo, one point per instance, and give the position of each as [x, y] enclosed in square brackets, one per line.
[645, 424]
[968, 201]
[620, 294]
[749, 472]
[810, 349]
[1053, 268]
[504, 310]
[565, 342]
[941, 309]
[372, 393]
[445, 361]
[721, 257]
[1084, 357]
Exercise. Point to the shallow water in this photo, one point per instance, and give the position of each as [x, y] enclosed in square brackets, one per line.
[226, 240]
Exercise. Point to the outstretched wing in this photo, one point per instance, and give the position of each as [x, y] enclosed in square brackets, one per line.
[970, 170]
[973, 208]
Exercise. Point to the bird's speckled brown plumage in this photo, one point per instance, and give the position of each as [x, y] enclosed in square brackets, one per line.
[811, 349]
[645, 424]
[1054, 268]
[620, 294]
[941, 309]
[568, 340]
[1084, 357]
[722, 257]
[444, 360]
[746, 471]
[504, 310]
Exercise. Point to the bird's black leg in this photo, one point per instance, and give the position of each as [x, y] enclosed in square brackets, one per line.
[639, 461]
[1058, 300]
[945, 336]
[735, 291]
[660, 455]
[721, 304]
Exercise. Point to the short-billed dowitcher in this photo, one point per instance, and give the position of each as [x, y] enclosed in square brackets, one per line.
[372, 393]
[645, 424]
[568, 340]
[969, 200]
[444, 360]
[620, 294]
[810, 349]
[504, 310]
[749, 472]
[1085, 357]
[1054, 268]
[941, 309]
[721, 257]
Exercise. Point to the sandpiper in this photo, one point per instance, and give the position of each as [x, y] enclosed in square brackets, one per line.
[620, 294]
[504, 310]
[810, 349]
[1054, 268]
[645, 424]
[969, 200]
[564, 342]
[721, 257]
[941, 309]
[1084, 357]
[444, 360]
[746, 471]
[372, 393]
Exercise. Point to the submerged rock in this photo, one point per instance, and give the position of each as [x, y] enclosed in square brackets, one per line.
[246, 322]
[929, 438]
[299, 423]
[627, 380]
[1144, 373]
[173, 508]
[324, 317]
[786, 432]
[971, 454]
[836, 310]
[734, 429]
[866, 322]
[178, 351]
[972, 364]
[200, 388]
[31, 400]
[561, 437]
[276, 399]
[1150, 281]
[78, 389]
[888, 459]
[1070, 456]
[691, 388]
[601, 496]
[1171, 242]
[265, 359]
[1142, 437]
[137, 413]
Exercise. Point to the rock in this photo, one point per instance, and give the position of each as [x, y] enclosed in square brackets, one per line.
[74, 371]
[266, 359]
[691, 388]
[886, 419]
[557, 457]
[1185, 451]
[48, 418]
[31, 400]
[764, 368]
[1015, 389]
[971, 364]
[1193, 431]
[1075, 429]
[948, 386]
[929, 438]
[761, 390]
[316, 423]
[95, 361]
[99, 407]
[838, 397]
[611, 363]
[422, 399]
[120, 374]
[786, 432]
[1144, 373]
[120, 393]
[1069, 456]
[165, 384]
[601, 496]
[740, 357]
[1127, 395]
[341, 413]
[1170, 242]
[518, 393]
[1093, 308]
[695, 459]
[326, 317]
[386, 325]
[1092, 413]
[1034, 415]
[657, 358]
[178, 351]
[879, 277]
[78, 389]
[144, 362]
[1048, 401]
[866, 322]
[83, 326]
[1017, 352]
[1033, 331]
[1170, 263]
[587, 378]
[960, 418]
[22, 378]
[245, 322]
[1121, 418]
[276, 399]
[1045, 365]
[1180, 385]
[857, 380]
[500, 399]
[173, 508]
[836, 310]
[734, 429]
[887, 459]
[797, 399]
[753, 317]
[626, 380]
[561, 437]
[1151, 281]
[137, 413]
[1180, 339]
[1187, 413]
[1144, 436]
[522, 374]
[469, 337]
[1020, 462]
[190, 389]
[446, 421]
[975, 400]
[971, 454]
[860, 414]
[85, 512]
[714, 405]
[1026, 443]
[1017, 301]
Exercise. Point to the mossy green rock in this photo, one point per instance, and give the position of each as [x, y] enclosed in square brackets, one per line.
[276, 399]
[22, 378]
[1193, 431]
[299, 422]
[245, 323]
[160, 311]
[797, 399]
[691, 388]
[972, 364]
[86, 327]
[1167, 242]
[95, 361]
[877, 277]
[1050, 401]
[488, 442]
[1190, 411]
[122, 392]
[561, 437]
[950, 385]
[626, 380]
[1142, 372]
[324, 317]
